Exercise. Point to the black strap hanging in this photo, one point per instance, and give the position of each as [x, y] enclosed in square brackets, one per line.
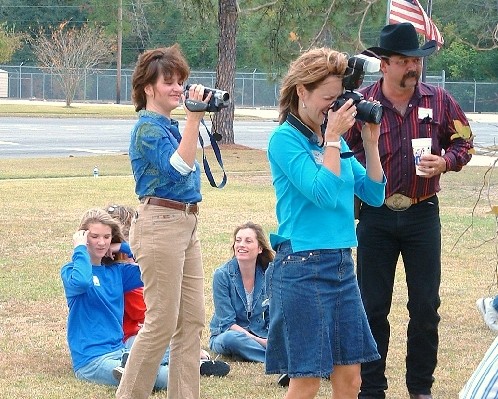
[213, 138]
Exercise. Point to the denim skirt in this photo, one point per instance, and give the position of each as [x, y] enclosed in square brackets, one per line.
[317, 319]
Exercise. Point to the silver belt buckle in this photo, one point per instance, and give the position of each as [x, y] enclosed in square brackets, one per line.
[398, 202]
[189, 208]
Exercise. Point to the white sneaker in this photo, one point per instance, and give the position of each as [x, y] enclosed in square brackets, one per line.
[488, 312]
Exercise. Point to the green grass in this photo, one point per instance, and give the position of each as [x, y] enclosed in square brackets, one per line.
[60, 110]
[43, 199]
[81, 110]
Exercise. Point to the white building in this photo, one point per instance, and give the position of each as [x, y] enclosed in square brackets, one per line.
[4, 84]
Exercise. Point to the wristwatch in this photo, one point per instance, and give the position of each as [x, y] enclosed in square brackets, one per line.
[336, 144]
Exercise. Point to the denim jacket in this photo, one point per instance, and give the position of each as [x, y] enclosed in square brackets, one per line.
[154, 139]
[230, 302]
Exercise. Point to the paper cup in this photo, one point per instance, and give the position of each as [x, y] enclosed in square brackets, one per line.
[421, 147]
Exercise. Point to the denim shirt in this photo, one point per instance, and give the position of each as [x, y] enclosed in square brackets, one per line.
[230, 302]
[154, 139]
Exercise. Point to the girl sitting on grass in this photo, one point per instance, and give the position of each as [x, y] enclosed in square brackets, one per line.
[94, 286]
[239, 327]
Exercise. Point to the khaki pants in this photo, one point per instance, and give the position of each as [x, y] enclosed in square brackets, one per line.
[165, 244]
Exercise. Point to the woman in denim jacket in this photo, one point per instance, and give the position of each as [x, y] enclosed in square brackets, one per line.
[239, 326]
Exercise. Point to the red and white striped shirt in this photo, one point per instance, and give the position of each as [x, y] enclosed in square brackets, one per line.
[448, 127]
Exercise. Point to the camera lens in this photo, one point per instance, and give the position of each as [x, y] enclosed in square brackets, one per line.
[222, 95]
[369, 112]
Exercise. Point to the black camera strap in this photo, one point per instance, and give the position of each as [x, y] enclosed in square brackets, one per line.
[310, 134]
[297, 124]
[216, 149]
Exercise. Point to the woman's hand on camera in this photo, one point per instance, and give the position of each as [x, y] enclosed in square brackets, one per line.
[340, 121]
[370, 132]
[196, 93]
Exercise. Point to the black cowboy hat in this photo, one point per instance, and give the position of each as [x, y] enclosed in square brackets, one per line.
[400, 39]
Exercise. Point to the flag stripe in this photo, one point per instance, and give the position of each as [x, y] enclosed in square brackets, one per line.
[405, 11]
[411, 11]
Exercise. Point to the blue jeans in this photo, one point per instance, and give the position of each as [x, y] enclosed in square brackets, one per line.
[129, 343]
[383, 235]
[238, 344]
[100, 369]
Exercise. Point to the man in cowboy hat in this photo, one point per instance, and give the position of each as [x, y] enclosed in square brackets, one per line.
[408, 223]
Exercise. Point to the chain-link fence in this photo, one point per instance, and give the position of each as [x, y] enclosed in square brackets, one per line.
[251, 89]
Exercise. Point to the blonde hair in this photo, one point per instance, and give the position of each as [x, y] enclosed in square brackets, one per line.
[94, 216]
[309, 69]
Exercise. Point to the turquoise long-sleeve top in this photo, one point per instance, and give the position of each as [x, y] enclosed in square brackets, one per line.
[315, 207]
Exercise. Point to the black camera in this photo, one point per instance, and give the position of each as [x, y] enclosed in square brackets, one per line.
[366, 111]
[219, 99]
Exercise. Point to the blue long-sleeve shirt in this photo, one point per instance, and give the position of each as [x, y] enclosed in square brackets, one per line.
[314, 206]
[230, 301]
[94, 296]
[154, 139]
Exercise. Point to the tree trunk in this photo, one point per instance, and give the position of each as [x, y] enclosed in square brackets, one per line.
[225, 70]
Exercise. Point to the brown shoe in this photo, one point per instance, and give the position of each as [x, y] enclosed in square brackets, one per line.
[420, 396]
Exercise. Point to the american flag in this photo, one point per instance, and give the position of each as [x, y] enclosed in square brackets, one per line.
[411, 11]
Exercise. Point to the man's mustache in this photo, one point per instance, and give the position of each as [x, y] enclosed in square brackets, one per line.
[408, 75]
[411, 74]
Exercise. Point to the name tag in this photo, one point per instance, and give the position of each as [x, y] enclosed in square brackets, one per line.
[318, 155]
[424, 113]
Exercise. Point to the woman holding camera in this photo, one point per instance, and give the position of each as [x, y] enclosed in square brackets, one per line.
[163, 235]
[318, 327]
